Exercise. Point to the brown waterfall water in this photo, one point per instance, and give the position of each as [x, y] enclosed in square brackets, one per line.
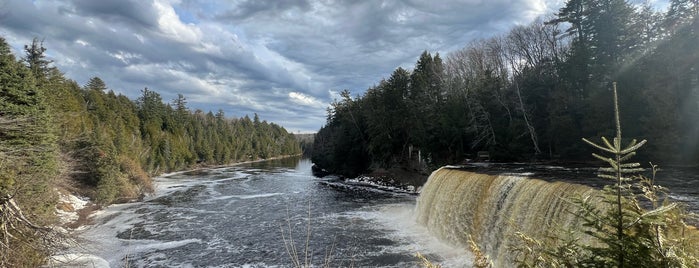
[456, 203]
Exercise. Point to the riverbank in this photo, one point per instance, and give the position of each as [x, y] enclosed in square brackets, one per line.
[202, 167]
[74, 210]
[75, 213]
[230, 217]
[390, 179]
[400, 178]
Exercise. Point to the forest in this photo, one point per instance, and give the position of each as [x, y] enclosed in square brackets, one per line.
[531, 94]
[56, 134]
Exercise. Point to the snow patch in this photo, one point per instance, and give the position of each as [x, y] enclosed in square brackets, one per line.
[68, 207]
[388, 186]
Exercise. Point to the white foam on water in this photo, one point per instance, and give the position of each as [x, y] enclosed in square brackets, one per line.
[237, 176]
[251, 196]
[256, 265]
[164, 186]
[399, 220]
[684, 198]
[78, 260]
[555, 167]
[117, 252]
[257, 195]
[454, 166]
[519, 174]
[102, 236]
[202, 211]
[157, 260]
[229, 203]
[148, 245]
[173, 173]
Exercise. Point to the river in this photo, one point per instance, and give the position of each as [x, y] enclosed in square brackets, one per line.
[245, 215]
[239, 216]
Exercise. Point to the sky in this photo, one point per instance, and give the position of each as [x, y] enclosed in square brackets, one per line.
[284, 60]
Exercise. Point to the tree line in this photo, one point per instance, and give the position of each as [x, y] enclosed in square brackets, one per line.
[531, 94]
[56, 133]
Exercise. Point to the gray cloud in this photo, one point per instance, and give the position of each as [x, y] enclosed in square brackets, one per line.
[284, 60]
[251, 8]
[135, 13]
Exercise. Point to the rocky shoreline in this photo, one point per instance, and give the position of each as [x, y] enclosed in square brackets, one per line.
[75, 213]
[392, 179]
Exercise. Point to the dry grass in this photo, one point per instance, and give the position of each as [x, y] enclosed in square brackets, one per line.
[303, 258]
[425, 262]
[481, 260]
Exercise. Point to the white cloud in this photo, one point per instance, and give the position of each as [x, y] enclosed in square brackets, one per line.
[82, 43]
[285, 60]
[171, 25]
[125, 57]
[303, 99]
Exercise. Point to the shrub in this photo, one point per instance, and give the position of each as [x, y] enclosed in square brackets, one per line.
[634, 226]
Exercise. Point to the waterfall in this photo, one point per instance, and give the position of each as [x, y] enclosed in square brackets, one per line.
[455, 203]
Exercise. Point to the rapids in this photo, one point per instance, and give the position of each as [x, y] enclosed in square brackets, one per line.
[234, 217]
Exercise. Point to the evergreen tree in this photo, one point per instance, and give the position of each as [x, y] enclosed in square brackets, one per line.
[36, 60]
[97, 84]
[680, 14]
[28, 163]
[630, 224]
[108, 143]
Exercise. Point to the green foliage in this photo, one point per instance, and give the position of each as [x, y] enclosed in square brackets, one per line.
[527, 94]
[36, 60]
[28, 162]
[340, 146]
[107, 143]
[96, 83]
[117, 142]
[630, 224]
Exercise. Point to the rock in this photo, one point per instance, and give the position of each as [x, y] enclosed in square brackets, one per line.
[64, 206]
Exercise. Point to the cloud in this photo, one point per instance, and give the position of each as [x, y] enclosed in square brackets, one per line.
[170, 25]
[280, 59]
[303, 99]
[134, 13]
[251, 8]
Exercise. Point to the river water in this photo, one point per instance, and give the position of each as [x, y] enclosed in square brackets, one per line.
[245, 215]
[240, 216]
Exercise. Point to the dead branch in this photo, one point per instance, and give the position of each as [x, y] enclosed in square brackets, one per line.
[16, 229]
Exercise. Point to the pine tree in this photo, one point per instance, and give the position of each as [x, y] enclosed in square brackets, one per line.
[629, 224]
[28, 163]
[36, 60]
[96, 84]
[619, 172]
